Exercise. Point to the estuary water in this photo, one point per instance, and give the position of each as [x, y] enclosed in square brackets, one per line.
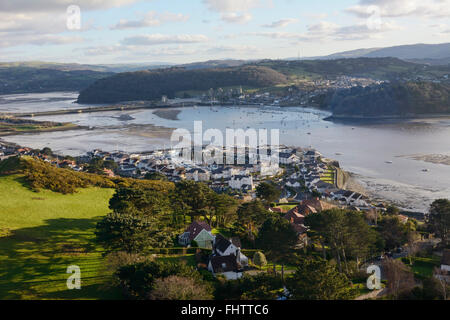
[390, 159]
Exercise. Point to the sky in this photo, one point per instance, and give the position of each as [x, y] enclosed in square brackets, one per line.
[183, 31]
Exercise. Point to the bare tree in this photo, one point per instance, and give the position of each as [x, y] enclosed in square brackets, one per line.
[443, 280]
[413, 246]
[399, 277]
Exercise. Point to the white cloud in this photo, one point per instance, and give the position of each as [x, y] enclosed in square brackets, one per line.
[234, 11]
[33, 6]
[280, 23]
[237, 18]
[39, 40]
[151, 19]
[229, 6]
[330, 31]
[401, 8]
[157, 39]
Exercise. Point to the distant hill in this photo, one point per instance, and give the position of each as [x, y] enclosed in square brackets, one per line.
[15, 79]
[124, 67]
[152, 84]
[215, 64]
[439, 53]
[389, 100]
[378, 68]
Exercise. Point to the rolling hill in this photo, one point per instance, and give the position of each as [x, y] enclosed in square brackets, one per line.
[438, 53]
[389, 100]
[17, 79]
[152, 84]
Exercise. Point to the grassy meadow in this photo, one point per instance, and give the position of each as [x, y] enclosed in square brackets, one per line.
[42, 233]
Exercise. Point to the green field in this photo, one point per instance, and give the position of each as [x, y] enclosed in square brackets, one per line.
[43, 233]
[423, 267]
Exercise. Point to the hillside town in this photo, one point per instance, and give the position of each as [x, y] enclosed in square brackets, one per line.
[309, 184]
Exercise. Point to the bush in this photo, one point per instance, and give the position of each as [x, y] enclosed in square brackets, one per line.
[259, 259]
[180, 288]
[138, 280]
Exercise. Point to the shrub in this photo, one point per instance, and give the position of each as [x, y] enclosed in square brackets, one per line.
[259, 259]
[180, 288]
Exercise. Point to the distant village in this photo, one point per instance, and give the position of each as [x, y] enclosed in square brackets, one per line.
[300, 95]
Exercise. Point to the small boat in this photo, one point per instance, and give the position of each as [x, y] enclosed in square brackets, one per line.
[389, 162]
[338, 154]
[425, 170]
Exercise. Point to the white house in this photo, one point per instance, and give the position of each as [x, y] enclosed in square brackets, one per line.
[288, 158]
[268, 169]
[241, 182]
[198, 174]
[225, 266]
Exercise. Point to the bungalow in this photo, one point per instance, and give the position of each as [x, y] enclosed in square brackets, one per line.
[312, 155]
[199, 232]
[323, 186]
[295, 217]
[127, 170]
[119, 157]
[198, 174]
[226, 266]
[288, 158]
[318, 204]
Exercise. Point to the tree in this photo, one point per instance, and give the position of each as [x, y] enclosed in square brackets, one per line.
[221, 209]
[260, 287]
[399, 277]
[180, 288]
[259, 259]
[438, 220]
[441, 283]
[155, 176]
[138, 279]
[131, 233]
[277, 238]
[47, 151]
[392, 211]
[141, 219]
[191, 198]
[393, 232]
[225, 207]
[345, 232]
[251, 216]
[268, 192]
[317, 279]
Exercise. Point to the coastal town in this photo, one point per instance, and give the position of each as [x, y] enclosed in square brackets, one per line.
[309, 183]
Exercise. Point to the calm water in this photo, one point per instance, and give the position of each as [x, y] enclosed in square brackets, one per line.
[364, 149]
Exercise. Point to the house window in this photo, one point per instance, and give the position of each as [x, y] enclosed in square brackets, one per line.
[224, 265]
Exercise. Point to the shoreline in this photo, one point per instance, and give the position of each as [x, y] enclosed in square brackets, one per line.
[393, 118]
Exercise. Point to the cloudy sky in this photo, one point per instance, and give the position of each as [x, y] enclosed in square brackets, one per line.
[180, 31]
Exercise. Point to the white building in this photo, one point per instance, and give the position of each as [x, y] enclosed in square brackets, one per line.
[241, 182]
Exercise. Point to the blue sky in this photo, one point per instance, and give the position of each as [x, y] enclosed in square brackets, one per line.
[181, 31]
